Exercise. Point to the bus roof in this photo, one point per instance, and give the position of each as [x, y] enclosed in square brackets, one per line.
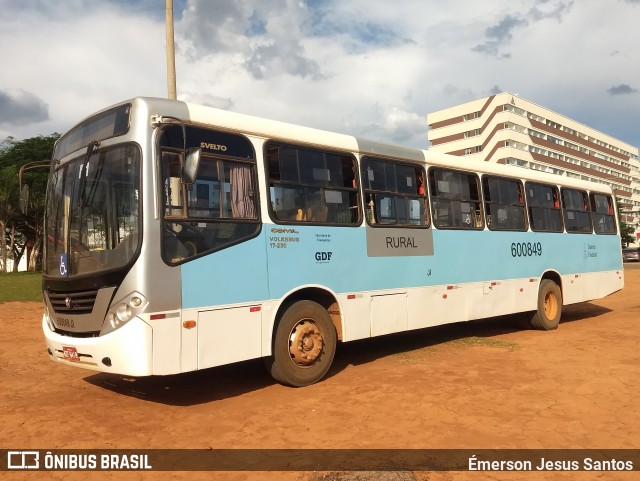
[277, 130]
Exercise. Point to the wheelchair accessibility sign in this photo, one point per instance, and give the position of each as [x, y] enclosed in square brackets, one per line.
[64, 264]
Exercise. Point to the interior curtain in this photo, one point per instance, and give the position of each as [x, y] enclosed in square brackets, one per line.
[242, 205]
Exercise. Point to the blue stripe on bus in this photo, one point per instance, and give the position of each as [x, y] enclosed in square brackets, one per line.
[233, 275]
[337, 258]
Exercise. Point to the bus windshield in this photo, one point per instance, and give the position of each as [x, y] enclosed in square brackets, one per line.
[93, 217]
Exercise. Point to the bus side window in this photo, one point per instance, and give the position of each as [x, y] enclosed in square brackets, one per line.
[504, 203]
[455, 197]
[544, 207]
[309, 185]
[394, 192]
[173, 192]
[216, 211]
[602, 211]
[577, 218]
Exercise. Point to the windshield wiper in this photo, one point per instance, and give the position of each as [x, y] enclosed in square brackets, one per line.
[91, 149]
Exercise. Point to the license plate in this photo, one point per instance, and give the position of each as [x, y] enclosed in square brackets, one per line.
[70, 353]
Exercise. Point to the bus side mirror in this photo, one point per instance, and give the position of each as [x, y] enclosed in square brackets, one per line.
[191, 165]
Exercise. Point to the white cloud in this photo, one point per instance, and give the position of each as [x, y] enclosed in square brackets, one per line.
[364, 67]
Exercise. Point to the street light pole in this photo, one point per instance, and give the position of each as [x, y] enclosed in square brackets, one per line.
[171, 53]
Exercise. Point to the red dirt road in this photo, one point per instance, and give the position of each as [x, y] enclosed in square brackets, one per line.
[484, 384]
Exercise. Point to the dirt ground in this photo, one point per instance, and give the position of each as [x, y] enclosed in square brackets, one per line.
[486, 384]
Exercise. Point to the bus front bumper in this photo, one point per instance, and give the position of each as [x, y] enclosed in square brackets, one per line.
[127, 350]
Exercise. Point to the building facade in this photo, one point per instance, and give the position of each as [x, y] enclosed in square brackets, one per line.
[508, 129]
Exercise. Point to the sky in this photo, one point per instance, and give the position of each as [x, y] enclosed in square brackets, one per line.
[369, 68]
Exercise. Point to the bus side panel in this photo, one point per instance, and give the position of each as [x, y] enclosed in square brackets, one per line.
[479, 256]
[224, 292]
[489, 298]
[189, 343]
[601, 284]
[228, 335]
[167, 348]
[471, 274]
[356, 312]
[335, 257]
[388, 313]
[573, 287]
[237, 274]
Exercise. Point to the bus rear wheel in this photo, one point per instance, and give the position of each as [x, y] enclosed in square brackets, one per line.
[547, 316]
[304, 345]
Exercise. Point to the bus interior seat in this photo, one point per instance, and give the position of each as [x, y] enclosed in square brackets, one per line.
[318, 213]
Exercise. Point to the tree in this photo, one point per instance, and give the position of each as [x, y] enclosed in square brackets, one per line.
[8, 195]
[626, 230]
[23, 232]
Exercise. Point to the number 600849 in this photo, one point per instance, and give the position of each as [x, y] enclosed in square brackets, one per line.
[526, 249]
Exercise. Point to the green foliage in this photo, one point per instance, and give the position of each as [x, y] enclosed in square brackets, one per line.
[21, 286]
[24, 229]
[18, 153]
[626, 230]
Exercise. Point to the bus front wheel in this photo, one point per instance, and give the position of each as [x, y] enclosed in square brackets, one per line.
[304, 345]
[547, 316]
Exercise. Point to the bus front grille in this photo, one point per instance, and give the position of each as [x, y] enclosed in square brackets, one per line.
[77, 334]
[72, 302]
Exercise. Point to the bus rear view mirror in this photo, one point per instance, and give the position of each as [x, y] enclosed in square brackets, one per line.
[191, 165]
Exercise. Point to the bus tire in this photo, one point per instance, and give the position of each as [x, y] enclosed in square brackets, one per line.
[547, 317]
[304, 345]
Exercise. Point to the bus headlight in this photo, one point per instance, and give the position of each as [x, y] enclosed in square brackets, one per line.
[123, 311]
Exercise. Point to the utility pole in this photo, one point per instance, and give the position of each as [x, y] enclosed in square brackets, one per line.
[171, 53]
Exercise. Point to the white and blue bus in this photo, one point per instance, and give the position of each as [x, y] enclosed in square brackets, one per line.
[181, 237]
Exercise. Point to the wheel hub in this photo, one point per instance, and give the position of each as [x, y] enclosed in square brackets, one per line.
[305, 343]
[550, 305]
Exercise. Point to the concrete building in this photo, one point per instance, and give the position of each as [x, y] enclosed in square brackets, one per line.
[22, 265]
[508, 129]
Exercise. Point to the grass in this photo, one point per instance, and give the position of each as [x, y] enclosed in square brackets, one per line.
[484, 341]
[21, 286]
[416, 355]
